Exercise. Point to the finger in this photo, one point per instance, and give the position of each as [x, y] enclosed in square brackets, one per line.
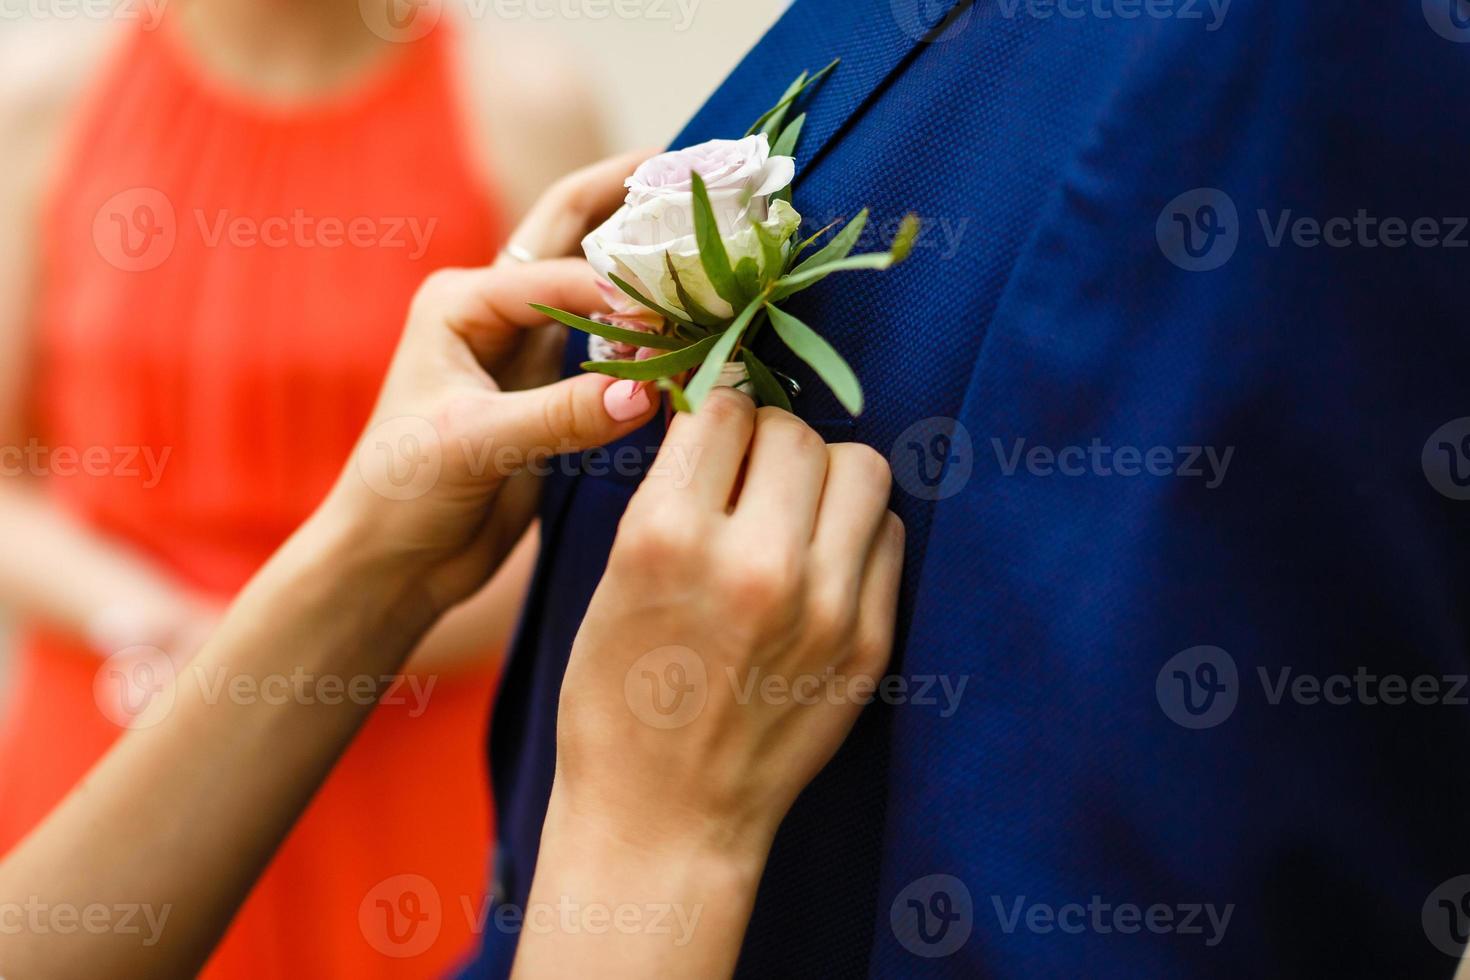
[486, 306]
[702, 454]
[573, 206]
[536, 361]
[783, 480]
[878, 600]
[854, 504]
[565, 417]
[500, 296]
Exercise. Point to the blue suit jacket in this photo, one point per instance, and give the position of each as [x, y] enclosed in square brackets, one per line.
[1112, 279]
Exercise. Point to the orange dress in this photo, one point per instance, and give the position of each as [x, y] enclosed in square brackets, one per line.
[224, 283]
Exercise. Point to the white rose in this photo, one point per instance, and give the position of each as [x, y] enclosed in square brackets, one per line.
[657, 219]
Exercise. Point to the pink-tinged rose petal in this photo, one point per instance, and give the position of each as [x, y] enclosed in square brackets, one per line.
[611, 295]
[779, 172]
[626, 312]
[656, 227]
[723, 164]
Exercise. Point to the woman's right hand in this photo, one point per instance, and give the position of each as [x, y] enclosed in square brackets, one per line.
[745, 618]
[443, 482]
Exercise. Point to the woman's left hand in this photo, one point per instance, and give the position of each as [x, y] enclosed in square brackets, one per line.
[443, 481]
[436, 490]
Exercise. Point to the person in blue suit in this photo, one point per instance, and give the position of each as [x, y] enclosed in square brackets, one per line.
[1173, 388]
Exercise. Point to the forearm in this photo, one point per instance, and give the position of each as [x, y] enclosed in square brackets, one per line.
[82, 576]
[478, 631]
[182, 817]
[605, 905]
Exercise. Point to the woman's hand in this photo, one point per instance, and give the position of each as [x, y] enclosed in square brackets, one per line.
[797, 580]
[745, 618]
[438, 486]
[443, 481]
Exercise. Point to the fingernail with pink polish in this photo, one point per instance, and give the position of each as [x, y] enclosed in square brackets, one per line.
[626, 400]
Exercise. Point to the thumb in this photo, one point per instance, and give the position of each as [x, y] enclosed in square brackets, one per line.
[578, 413]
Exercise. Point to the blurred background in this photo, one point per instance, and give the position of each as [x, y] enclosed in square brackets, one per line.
[651, 72]
[652, 66]
[214, 215]
[652, 75]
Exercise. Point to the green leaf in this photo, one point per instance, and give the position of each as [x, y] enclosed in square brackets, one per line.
[704, 379]
[676, 394]
[903, 242]
[767, 388]
[635, 337]
[748, 275]
[810, 273]
[770, 250]
[786, 145]
[663, 366]
[644, 301]
[772, 118]
[795, 283]
[697, 312]
[808, 345]
[839, 247]
[808, 243]
[712, 254]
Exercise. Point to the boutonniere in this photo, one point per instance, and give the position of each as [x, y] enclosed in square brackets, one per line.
[702, 254]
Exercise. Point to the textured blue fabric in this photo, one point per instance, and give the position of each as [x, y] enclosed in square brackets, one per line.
[1040, 305]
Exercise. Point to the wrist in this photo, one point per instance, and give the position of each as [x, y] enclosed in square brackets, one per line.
[421, 546]
[700, 895]
[338, 548]
[736, 856]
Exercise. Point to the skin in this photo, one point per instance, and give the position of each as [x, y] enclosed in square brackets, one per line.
[799, 565]
[802, 574]
[525, 127]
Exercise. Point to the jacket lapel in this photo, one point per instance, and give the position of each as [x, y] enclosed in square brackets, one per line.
[874, 40]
